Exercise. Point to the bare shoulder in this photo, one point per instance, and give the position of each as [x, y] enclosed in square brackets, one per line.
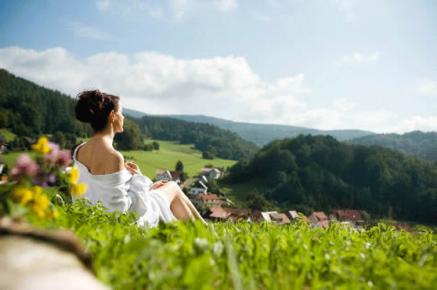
[117, 161]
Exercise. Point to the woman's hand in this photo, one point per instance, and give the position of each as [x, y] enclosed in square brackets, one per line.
[158, 184]
[133, 167]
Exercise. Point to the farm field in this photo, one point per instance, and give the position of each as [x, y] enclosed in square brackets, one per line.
[249, 256]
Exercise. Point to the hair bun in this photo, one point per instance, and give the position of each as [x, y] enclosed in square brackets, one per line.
[84, 109]
[94, 107]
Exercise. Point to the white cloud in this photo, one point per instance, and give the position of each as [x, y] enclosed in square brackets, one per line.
[225, 87]
[428, 88]
[360, 58]
[422, 123]
[86, 31]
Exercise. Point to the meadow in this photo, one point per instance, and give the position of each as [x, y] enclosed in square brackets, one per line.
[167, 156]
[249, 256]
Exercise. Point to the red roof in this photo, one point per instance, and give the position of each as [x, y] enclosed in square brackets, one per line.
[348, 214]
[219, 212]
[320, 215]
[226, 212]
[279, 217]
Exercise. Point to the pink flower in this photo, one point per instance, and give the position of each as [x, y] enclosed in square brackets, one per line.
[64, 158]
[24, 166]
[52, 156]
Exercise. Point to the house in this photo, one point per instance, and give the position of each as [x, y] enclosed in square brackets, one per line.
[274, 216]
[211, 173]
[211, 199]
[3, 148]
[167, 175]
[349, 215]
[200, 188]
[319, 219]
[163, 175]
[293, 215]
[227, 213]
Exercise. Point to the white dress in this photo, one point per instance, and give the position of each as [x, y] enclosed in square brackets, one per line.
[125, 192]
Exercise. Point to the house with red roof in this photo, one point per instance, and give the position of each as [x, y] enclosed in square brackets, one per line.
[319, 219]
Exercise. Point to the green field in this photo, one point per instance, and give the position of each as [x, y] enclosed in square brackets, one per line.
[250, 256]
[9, 136]
[165, 158]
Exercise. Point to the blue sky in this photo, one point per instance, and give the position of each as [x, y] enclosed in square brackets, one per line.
[329, 64]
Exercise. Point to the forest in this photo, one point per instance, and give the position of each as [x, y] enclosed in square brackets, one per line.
[319, 172]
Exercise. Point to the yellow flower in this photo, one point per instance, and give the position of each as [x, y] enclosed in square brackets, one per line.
[53, 214]
[74, 175]
[42, 145]
[78, 189]
[22, 195]
[40, 202]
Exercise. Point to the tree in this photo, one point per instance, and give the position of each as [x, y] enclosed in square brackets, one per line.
[256, 201]
[207, 155]
[179, 166]
[155, 145]
[131, 138]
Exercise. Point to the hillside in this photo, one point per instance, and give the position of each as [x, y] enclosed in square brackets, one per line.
[27, 109]
[320, 172]
[420, 144]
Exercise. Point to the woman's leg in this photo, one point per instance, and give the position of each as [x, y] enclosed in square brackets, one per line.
[180, 204]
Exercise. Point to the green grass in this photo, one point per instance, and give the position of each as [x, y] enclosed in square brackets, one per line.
[167, 156]
[250, 256]
[238, 192]
[9, 136]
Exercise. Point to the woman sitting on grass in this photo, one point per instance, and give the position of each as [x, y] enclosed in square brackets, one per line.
[119, 185]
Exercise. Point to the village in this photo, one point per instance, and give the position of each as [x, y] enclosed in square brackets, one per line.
[220, 208]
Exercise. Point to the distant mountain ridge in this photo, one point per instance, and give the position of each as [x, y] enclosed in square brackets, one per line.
[262, 134]
[421, 144]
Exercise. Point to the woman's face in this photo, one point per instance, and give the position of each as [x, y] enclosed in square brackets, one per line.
[118, 120]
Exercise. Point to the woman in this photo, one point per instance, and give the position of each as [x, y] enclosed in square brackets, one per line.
[119, 185]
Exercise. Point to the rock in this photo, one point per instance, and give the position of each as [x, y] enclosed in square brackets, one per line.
[34, 259]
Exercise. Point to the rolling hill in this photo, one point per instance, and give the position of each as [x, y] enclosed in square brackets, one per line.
[261, 134]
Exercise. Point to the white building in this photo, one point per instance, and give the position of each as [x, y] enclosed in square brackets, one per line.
[201, 188]
[163, 175]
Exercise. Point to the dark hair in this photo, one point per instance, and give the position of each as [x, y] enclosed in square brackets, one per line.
[94, 107]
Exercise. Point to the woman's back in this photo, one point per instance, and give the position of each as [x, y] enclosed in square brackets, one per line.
[99, 157]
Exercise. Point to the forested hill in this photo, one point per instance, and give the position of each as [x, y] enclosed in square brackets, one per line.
[29, 110]
[322, 173]
[261, 134]
[417, 143]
